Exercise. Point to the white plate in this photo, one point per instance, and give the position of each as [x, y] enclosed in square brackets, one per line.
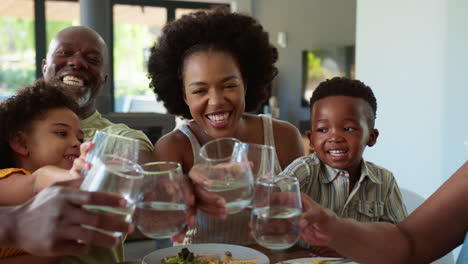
[308, 260]
[238, 252]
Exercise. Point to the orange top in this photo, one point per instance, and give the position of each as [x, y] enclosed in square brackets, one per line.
[11, 252]
[7, 172]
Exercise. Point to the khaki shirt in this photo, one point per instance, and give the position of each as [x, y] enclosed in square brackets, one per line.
[96, 122]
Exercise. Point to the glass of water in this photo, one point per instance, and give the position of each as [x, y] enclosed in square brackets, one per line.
[262, 159]
[114, 174]
[276, 213]
[161, 210]
[228, 170]
[111, 144]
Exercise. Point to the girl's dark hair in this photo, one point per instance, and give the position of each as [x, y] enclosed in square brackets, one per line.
[240, 35]
[29, 104]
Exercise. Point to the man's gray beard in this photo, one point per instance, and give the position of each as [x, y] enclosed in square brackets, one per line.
[84, 100]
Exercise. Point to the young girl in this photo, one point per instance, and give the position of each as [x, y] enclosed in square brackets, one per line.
[40, 138]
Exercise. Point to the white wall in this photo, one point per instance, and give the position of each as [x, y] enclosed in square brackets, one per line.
[308, 24]
[413, 54]
[456, 92]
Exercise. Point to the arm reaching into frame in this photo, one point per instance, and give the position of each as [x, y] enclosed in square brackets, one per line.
[425, 235]
[50, 224]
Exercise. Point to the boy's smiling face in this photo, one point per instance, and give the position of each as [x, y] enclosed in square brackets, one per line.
[340, 131]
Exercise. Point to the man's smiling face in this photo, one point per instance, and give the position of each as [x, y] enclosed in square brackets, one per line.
[76, 59]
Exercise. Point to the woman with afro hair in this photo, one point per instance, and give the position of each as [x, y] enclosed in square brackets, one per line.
[212, 68]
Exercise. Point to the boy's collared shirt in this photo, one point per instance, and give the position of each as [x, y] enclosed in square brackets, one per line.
[375, 196]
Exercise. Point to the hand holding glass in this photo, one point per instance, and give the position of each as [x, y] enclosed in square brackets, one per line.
[162, 207]
[117, 175]
[227, 168]
[276, 213]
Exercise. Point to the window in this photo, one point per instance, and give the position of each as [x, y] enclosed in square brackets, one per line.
[17, 47]
[136, 28]
[179, 12]
[59, 15]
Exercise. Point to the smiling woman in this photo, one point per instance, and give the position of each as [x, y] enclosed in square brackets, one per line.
[211, 68]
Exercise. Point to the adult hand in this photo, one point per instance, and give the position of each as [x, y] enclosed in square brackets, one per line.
[206, 201]
[50, 224]
[316, 222]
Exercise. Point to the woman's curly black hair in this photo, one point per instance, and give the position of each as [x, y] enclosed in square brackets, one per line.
[240, 35]
[29, 104]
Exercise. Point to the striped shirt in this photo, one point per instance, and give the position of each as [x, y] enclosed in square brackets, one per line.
[374, 198]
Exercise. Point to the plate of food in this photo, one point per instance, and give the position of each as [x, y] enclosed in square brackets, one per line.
[318, 260]
[206, 254]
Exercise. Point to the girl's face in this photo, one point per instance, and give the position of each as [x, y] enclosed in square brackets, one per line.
[214, 91]
[54, 140]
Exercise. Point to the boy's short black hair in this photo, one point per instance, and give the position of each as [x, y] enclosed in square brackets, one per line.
[220, 30]
[29, 104]
[343, 86]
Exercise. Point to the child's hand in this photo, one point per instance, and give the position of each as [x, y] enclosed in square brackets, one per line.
[49, 175]
[80, 163]
[316, 223]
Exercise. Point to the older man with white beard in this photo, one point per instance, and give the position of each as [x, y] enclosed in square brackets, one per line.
[76, 58]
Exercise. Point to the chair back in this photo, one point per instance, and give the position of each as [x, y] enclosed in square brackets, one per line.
[411, 199]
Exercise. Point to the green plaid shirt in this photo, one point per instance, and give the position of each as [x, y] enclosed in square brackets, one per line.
[374, 198]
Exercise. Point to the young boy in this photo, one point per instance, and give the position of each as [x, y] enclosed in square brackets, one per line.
[40, 138]
[342, 121]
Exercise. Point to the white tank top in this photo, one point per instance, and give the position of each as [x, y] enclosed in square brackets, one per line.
[234, 229]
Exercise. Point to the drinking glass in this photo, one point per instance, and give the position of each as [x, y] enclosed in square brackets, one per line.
[261, 158]
[276, 213]
[161, 210]
[111, 144]
[117, 175]
[227, 168]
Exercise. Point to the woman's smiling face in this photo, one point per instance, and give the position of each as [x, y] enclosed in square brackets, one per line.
[214, 91]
